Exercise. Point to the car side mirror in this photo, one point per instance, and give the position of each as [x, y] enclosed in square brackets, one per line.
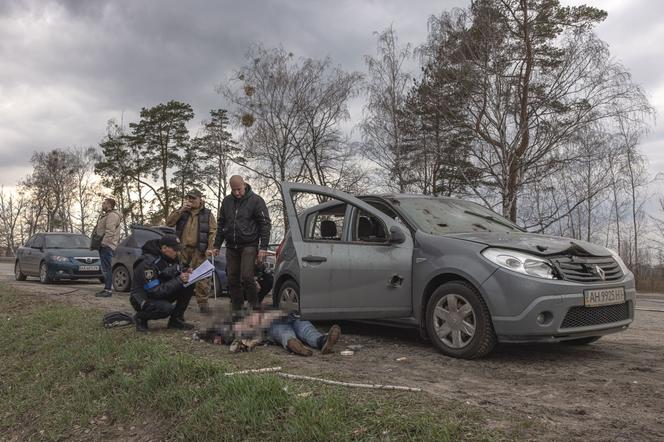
[396, 235]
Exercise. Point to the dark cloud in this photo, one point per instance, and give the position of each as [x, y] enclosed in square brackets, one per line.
[70, 65]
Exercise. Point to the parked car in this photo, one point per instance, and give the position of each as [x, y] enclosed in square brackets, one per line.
[465, 276]
[53, 256]
[129, 250]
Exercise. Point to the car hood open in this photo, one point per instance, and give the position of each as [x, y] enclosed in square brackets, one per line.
[543, 245]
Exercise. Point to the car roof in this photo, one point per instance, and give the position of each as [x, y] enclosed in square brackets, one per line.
[162, 230]
[61, 233]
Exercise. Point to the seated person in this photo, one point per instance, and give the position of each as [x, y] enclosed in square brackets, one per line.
[157, 288]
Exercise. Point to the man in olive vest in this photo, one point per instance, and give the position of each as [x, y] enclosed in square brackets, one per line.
[196, 227]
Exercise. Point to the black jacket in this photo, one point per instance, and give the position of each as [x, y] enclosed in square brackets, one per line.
[155, 275]
[243, 221]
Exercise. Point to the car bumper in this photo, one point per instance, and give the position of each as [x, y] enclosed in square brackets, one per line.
[65, 270]
[561, 304]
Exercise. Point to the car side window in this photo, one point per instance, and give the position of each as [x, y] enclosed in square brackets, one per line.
[368, 228]
[326, 224]
[38, 242]
[29, 242]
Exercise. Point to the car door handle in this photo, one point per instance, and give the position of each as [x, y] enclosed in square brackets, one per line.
[312, 258]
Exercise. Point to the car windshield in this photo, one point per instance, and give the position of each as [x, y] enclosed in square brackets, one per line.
[67, 242]
[440, 216]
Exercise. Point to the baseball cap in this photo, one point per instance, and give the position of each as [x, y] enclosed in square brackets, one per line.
[171, 241]
[195, 193]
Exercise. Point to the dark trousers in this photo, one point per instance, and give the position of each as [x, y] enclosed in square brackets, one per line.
[163, 308]
[106, 256]
[241, 265]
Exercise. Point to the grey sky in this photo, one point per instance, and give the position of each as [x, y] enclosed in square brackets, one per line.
[68, 66]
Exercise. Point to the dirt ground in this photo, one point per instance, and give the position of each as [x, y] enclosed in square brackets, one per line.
[610, 390]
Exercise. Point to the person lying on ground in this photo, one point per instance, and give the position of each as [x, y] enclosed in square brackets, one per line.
[157, 288]
[292, 333]
[274, 325]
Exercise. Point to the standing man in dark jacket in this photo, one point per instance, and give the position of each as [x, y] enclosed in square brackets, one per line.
[196, 227]
[158, 282]
[244, 223]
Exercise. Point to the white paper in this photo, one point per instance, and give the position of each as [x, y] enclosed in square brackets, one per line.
[201, 272]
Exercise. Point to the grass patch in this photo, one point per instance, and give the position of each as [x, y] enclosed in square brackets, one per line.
[64, 376]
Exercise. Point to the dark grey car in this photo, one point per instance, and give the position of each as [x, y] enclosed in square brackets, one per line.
[465, 276]
[54, 256]
[129, 250]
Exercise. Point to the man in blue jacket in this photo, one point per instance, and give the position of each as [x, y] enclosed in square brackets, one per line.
[157, 288]
[244, 223]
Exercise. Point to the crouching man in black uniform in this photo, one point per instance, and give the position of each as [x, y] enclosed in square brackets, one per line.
[158, 283]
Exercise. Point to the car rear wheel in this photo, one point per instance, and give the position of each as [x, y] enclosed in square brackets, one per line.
[582, 341]
[121, 279]
[44, 277]
[458, 321]
[289, 296]
[18, 274]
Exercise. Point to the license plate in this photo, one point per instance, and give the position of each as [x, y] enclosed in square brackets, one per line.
[88, 268]
[599, 297]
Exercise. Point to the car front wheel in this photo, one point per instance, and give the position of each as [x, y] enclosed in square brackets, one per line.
[121, 279]
[18, 274]
[458, 321]
[44, 277]
[288, 298]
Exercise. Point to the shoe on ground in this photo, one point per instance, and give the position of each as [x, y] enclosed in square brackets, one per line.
[141, 324]
[331, 339]
[298, 347]
[104, 294]
[179, 324]
[204, 309]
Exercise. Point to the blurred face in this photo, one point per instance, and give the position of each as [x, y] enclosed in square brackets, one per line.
[169, 252]
[194, 201]
[237, 188]
[105, 205]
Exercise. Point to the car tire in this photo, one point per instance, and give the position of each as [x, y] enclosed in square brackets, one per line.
[121, 279]
[18, 274]
[288, 297]
[582, 341]
[44, 277]
[468, 333]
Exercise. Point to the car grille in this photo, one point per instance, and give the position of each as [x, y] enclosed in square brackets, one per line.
[85, 260]
[586, 316]
[588, 269]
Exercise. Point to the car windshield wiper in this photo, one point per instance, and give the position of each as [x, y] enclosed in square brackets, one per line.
[490, 218]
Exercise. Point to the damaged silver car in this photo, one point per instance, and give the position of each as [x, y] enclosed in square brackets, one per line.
[465, 276]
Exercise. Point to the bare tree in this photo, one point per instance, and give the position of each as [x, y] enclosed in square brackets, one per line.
[387, 89]
[11, 209]
[87, 188]
[535, 77]
[290, 110]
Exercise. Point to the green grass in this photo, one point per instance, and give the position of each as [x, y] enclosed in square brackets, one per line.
[63, 375]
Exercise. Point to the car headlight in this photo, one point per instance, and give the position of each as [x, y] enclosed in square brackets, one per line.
[620, 262]
[59, 258]
[519, 262]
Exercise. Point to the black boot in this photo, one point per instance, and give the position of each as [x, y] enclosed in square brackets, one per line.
[141, 324]
[179, 324]
[104, 294]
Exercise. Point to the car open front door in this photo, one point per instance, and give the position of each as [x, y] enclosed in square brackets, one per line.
[339, 276]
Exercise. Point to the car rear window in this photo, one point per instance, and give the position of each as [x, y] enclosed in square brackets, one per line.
[140, 237]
